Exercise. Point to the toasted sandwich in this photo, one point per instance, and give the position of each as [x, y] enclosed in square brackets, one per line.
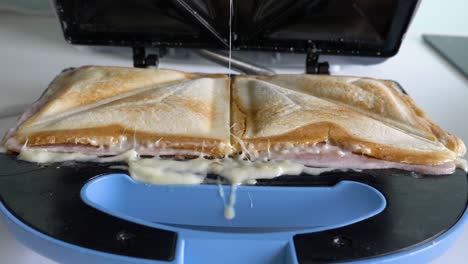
[338, 122]
[108, 110]
[314, 120]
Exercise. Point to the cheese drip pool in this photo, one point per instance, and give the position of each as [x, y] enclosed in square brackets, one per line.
[235, 170]
[185, 172]
[195, 171]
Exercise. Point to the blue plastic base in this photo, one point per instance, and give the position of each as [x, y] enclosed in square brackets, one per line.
[259, 210]
[259, 234]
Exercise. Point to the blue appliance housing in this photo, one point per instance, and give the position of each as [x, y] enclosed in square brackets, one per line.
[73, 216]
[267, 219]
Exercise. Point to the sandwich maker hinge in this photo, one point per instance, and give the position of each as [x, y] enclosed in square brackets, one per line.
[141, 60]
[313, 66]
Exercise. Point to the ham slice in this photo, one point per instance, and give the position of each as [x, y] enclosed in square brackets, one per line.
[359, 162]
[96, 151]
[336, 160]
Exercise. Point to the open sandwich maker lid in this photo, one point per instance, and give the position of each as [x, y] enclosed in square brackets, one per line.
[338, 27]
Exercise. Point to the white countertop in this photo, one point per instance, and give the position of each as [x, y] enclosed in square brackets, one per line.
[32, 52]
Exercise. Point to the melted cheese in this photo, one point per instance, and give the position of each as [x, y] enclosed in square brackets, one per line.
[229, 212]
[189, 172]
[125, 156]
[160, 171]
[157, 171]
[462, 164]
[242, 171]
[289, 148]
[317, 171]
[44, 156]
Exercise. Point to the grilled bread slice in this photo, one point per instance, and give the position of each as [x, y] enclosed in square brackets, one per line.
[107, 110]
[297, 114]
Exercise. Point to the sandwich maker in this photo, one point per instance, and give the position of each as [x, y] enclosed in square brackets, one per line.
[96, 213]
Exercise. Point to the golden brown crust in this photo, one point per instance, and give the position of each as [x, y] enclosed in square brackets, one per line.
[451, 141]
[98, 105]
[430, 153]
[328, 132]
[109, 136]
[90, 84]
[382, 100]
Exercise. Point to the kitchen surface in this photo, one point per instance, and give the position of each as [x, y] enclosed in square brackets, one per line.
[33, 51]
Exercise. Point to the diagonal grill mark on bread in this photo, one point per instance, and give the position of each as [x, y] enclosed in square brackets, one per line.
[275, 112]
[209, 107]
[68, 86]
[45, 97]
[286, 93]
[389, 122]
[163, 97]
[390, 92]
[122, 102]
[365, 140]
[99, 103]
